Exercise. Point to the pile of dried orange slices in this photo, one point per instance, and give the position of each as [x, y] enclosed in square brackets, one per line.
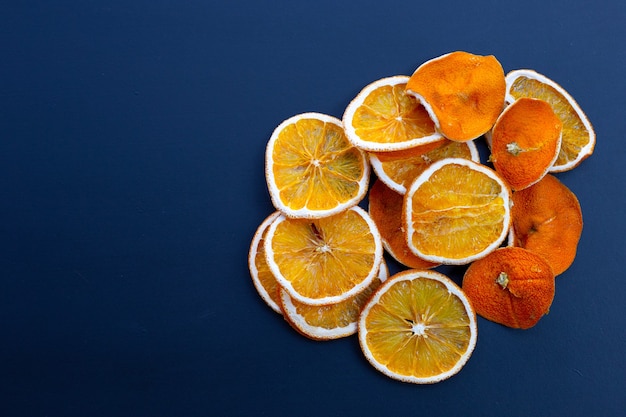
[319, 258]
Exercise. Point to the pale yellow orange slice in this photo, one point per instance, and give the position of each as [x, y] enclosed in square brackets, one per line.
[312, 170]
[456, 211]
[382, 117]
[418, 327]
[327, 260]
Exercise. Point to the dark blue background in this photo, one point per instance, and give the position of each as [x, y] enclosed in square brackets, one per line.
[132, 137]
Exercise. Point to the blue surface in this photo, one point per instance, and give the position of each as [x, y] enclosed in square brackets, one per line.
[132, 137]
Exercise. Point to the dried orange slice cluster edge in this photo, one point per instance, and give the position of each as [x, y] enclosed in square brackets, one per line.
[319, 259]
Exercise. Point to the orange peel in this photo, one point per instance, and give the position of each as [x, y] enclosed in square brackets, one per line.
[463, 93]
[525, 142]
[511, 286]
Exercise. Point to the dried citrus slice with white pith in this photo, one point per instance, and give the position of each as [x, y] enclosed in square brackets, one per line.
[262, 277]
[331, 321]
[418, 327]
[579, 138]
[456, 211]
[398, 169]
[382, 117]
[326, 260]
[312, 170]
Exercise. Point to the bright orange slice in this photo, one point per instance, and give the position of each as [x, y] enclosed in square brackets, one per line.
[382, 117]
[398, 169]
[525, 142]
[327, 260]
[456, 211]
[312, 170]
[462, 92]
[331, 321]
[579, 138]
[262, 278]
[418, 327]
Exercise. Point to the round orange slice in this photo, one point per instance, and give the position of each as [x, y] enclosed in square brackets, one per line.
[547, 219]
[382, 117]
[525, 142]
[398, 169]
[312, 170]
[385, 208]
[331, 321]
[262, 278]
[327, 260]
[462, 92]
[511, 286]
[579, 138]
[456, 211]
[418, 327]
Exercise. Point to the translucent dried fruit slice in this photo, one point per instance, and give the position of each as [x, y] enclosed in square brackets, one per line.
[385, 208]
[262, 278]
[383, 118]
[525, 142]
[418, 327]
[547, 220]
[579, 138]
[462, 92]
[312, 170]
[456, 211]
[327, 260]
[331, 321]
[398, 169]
[511, 286]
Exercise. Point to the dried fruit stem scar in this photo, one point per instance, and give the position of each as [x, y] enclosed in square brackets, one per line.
[503, 280]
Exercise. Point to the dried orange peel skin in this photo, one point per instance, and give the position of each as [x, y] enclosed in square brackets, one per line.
[398, 169]
[327, 260]
[547, 219]
[463, 93]
[456, 211]
[385, 208]
[579, 138]
[382, 117]
[525, 142]
[511, 286]
[311, 168]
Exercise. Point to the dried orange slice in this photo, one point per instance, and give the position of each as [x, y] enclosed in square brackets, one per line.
[579, 138]
[456, 211]
[511, 286]
[462, 92]
[398, 169]
[312, 170]
[327, 260]
[262, 278]
[418, 327]
[385, 208]
[525, 142]
[331, 321]
[383, 118]
[547, 219]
